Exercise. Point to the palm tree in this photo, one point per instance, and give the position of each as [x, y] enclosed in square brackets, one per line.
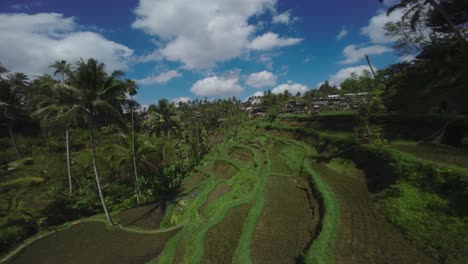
[61, 67]
[131, 88]
[95, 89]
[59, 108]
[160, 122]
[122, 155]
[12, 101]
[415, 8]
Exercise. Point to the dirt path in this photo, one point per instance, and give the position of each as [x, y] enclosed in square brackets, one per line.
[365, 236]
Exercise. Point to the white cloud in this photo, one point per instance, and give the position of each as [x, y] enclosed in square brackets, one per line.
[354, 54]
[284, 18]
[375, 29]
[30, 43]
[407, 58]
[159, 79]
[342, 34]
[293, 88]
[266, 58]
[261, 79]
[271, 40]
[217, 86]
[203, 33]
[258, 94]
[179, 100]
[343, 74]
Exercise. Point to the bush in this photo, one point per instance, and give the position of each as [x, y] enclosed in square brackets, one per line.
[13, 232]
[28, 161]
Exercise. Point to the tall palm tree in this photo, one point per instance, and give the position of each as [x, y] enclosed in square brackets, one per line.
[12, 102]
[160, 122]
[95, 89]
[58, 108]
[131, 89]
[61, 67]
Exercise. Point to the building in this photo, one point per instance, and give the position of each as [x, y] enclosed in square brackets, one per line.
[296, 107]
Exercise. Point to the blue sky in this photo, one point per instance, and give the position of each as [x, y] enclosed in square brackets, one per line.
[200, 48]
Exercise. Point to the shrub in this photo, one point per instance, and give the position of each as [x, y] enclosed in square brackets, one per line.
[28, 161]
[13, 232]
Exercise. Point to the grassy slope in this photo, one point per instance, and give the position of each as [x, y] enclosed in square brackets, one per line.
[247, 187]
[419, 201]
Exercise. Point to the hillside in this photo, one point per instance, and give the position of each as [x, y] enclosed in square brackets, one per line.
[268, 197]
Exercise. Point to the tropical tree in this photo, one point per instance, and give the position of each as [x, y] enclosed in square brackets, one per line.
[12, 102]
[59, 108]
[61, 67]
[415, 11]
[122, 156]
[160, 122]
[166, 111]
[94, 90]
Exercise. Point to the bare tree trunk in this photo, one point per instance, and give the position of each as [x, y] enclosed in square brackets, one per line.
[98, 181]
[137, 186]
[13, 142]
[370, 66]
[68, 159]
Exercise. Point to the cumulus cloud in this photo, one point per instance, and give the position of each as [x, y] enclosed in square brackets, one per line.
[342, 34]
[258, 94]
[40, 39]
[354, 54]
[293, 88]
[271, 40]
[375, 29]
[284, 18]
[30, 43]
[217, 86]
[261, 79]
[343, 74]
[161, 78]
[211, 31]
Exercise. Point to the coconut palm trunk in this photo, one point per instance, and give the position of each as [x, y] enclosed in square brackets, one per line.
[13, 142]
[67, 139]
[96, 173]
[137, 186]
[164, 151]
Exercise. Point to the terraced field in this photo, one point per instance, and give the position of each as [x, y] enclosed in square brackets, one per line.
[261, 200]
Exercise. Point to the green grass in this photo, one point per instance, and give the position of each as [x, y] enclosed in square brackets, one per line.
[21, 182]
[337, 113]
[424, 219]
[441, 154]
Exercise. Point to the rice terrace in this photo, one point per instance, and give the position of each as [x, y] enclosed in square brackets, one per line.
[288, 139]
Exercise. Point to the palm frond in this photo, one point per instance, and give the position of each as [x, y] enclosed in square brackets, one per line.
[400, 5]
[104, 106]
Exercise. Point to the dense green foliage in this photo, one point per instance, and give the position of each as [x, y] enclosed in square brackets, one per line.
[92, 107]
